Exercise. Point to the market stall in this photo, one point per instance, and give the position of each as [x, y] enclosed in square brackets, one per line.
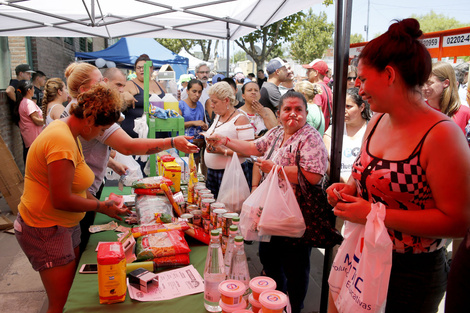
[84, 295]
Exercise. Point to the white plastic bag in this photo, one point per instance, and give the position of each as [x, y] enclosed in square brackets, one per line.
[133, 173]
[281, 213]
[361, 269]
[233, 189]
[251, 212]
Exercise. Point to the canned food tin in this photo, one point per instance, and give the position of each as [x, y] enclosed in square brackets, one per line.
[204, 196]
[197, 217]
[197, 188]
[220, 213]
[213, 216]
[206, 224]
[205, 206]
[191, 207]
[227, 222]
[188, 217]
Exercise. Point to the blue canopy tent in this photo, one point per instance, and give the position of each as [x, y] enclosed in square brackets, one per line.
[127, 50]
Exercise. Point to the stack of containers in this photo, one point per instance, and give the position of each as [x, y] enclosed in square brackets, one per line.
[272, 301]
[258, 285]
[231, 296]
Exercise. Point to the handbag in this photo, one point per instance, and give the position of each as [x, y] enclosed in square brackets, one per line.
[360, 272]
[317, 212]
[281, 214]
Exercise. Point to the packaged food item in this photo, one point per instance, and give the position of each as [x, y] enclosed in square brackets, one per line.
[231, 292]
[188, 217]
[147, 206]
[111, 273]
[231, 308]
[206, 204]
[273, 301]
[172, 170]
[165, 218]
[160, 245]
[151, 182]
[171, 261]
[198, 233]
[169, 195]
[118, 200]
[260, 284]
[158, 228]
[197, 217]
[255, 304]
[227, 222]
[192, 179]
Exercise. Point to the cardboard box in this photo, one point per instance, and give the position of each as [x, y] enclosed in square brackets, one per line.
[143, 280]
[11, 179]
[172, 170]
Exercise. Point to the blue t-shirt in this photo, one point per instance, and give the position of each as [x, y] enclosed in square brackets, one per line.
[190, 114]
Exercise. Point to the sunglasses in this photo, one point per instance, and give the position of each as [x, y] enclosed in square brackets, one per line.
[352, 78]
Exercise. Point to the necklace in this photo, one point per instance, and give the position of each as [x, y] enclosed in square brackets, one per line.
[228, 119]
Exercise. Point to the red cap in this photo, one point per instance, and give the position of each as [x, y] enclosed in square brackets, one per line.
[318, 65]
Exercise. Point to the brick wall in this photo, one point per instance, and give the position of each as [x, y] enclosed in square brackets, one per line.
[10, 132]
[53, 55]
[17, 46]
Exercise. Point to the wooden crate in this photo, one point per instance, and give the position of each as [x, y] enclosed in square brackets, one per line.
[11, 179]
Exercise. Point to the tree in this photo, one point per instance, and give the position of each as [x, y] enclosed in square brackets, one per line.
[313, 37]
[270, 39]
[176, 45]
[355, 38]
[433, 22]
[239, 56]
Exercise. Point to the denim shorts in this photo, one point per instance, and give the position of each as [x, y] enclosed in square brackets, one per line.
[47, 247]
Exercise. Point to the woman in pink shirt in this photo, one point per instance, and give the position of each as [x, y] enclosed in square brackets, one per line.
[31, 120]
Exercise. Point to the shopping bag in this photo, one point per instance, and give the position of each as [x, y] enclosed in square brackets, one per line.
[360, 272]
[234, 188]
[133, 172]
[281, 213]
[251, 212]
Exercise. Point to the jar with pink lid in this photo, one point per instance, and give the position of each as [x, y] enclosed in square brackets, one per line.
[231, 308]
[273, 301]
[260, 284]
[255, 304]
[231, 292]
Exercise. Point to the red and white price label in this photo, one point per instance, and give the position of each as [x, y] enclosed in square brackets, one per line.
[456, 40]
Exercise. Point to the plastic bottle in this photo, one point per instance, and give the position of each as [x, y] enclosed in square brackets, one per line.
[170, 102]
[230, 247]
[214, 273]
[236, 222]
[155, 101]
[239, 265]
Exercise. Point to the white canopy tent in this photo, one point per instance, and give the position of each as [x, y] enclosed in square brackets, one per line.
[186, 19]
[189, 19]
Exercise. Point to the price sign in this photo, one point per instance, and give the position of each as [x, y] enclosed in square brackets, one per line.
[456, 40]
[430, 43]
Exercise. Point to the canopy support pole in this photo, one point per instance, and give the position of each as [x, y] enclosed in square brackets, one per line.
[228, 50]
[341, 60]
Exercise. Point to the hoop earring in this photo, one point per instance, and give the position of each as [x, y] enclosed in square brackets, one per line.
[89, 131]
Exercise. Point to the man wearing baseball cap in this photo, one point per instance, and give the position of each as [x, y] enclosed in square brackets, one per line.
[316, 71]
[23, 72]
[277, 73]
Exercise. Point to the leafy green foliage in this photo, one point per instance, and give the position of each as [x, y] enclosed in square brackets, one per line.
[270, 39]
[176, 45]
[313, 37]
[433, 22]
[355, 38]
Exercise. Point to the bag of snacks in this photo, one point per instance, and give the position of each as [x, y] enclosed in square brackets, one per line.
[151, 182]
[171, 261]
[146, 206]
[161, 244]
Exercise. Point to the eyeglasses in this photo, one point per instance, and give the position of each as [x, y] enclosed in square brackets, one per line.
[352, 78]
[204, 72]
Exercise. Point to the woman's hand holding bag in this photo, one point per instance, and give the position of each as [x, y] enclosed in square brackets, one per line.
[281, 213]
[360, 272]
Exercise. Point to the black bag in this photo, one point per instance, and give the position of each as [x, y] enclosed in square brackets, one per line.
[317, 213]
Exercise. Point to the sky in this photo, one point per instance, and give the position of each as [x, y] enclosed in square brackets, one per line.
[381, 12]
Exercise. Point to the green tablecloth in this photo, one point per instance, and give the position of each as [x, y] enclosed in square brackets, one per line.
[84, 297]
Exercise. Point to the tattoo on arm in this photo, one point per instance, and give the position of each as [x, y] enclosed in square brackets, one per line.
[154, 150]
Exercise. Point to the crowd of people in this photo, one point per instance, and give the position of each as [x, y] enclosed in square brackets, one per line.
[402, 146]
